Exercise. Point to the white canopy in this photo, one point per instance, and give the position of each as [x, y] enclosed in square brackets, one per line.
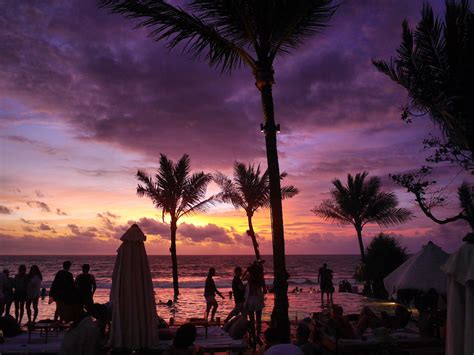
[420, 272]
[134, 309]
[460, 322]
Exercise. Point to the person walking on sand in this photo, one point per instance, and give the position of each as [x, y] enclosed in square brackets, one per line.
[325, 282]
[63, 289]
[238, 290]
[19, 296]
[86, 286]
[33, 292]
[210, 291]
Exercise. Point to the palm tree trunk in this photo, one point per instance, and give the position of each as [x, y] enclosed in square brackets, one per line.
[174, 259]
[361, 243]
[251, 233]
[280, 318]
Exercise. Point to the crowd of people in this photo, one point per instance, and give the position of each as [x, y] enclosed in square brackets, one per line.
[248, 298]
[74, 299]
[24, 290]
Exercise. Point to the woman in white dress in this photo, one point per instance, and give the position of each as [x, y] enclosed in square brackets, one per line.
[33, 292]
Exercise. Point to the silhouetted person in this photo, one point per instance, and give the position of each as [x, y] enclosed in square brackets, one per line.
[86, 335]
[210, 291]
[183, 342]
[3, 280]
[19, 296]
[238, 290]
[325, 282]
[86, 287]
[33, 292]
[274, 346]
[8, 287]
[302, 340]
[63, 289]
[255, 298]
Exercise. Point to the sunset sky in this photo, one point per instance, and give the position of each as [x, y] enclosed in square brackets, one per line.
[86, 100]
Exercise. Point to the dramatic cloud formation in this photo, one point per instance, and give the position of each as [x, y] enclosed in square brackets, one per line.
[86, 100]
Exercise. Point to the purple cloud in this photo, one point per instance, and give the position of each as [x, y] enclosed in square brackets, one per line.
[208, 233]
[38, 204]
[60, 212]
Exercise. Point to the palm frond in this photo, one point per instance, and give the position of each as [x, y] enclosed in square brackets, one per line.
[229, 192]
[193, 191]
[288, 191]
[332, 212]
[360, 201]
[178, 27]
[201, 206]
[297, 21]
[173, 190]
[390, 217]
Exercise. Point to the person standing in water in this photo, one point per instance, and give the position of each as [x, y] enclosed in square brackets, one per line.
[86, 286]
[210, 291]
[33, 292]
[238, 290]
[19, 296]
[325, 282]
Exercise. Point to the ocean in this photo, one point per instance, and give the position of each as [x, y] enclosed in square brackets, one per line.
[303, 271]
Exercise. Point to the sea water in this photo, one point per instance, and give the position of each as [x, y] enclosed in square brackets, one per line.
[303, 270]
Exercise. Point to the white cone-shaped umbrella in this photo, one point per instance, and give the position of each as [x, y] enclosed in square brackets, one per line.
[134, 309]
[422, 271]
[460, 322]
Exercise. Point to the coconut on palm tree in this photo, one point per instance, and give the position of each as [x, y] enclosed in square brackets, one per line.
[228, 34]
[360, 202]
[250, 190]
[177, 193]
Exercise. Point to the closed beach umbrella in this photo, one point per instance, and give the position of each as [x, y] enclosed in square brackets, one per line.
[422, 271]
[460, 322]
[134, 319]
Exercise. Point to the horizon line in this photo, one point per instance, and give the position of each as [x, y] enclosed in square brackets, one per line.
[177, 255]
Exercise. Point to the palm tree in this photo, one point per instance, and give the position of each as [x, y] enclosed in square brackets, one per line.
[361, 202]
[250, 191]
[435, 64]
[228, 34]
[177, 194]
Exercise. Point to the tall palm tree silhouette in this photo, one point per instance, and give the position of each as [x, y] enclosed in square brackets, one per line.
[231, 33]
[360, 202]
[250, 190]
[177, 193]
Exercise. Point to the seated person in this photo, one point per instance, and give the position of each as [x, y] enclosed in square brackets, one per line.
[430, 317]
[368, 319]
[9, 326]
[274, 346]
[302, 340]
[183, 343]
[86, 336]
[339, 324]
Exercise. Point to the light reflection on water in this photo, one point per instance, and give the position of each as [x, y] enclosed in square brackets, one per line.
[193, 270]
